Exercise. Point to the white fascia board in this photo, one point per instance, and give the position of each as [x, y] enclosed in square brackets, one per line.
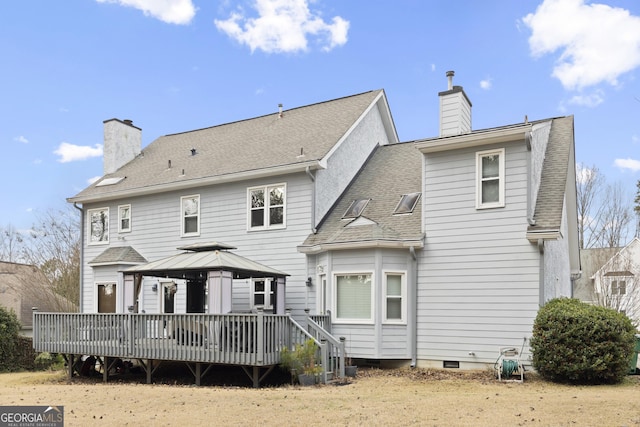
[187, 183]
[367, 244]
[534, 236]
[386, 119]
[474, 139]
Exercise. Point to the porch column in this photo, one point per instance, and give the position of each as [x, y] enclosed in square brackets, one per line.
[220, 284]
[280, 295]
[128, 293]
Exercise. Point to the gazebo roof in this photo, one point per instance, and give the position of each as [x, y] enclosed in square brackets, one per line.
[205, 257]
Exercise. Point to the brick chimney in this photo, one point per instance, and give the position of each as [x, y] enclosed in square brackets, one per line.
[122, 143]
[455, 110]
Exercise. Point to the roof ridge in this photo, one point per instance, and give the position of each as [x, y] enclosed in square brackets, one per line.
[271, 114]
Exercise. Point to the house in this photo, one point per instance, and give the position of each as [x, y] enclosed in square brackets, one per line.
[613, 281]
[24, 287]
[443, 249]
[434, 252]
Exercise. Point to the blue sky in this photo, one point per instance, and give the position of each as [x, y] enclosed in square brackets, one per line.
[178, 65]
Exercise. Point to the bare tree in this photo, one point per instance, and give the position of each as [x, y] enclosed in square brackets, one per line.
[604, 211]
[54, 247]
[636, 208]
[11, 244]
[589, 186]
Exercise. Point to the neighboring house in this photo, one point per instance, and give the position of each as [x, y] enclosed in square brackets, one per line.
[22, 288]
[616, 283]
[591, 260]
[431, 252]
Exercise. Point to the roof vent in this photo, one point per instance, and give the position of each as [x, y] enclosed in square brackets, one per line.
[193, 152]
[280, 110]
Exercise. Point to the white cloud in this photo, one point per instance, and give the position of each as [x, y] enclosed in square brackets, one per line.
[486, 84]
[92, 180]
[169, 11]
[592, 100]
[630, 164]
[597, 42]
[283, 26]
[21, 139]
[70, 152]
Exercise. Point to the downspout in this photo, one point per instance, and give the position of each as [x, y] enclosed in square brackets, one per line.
[313, 199]
[75, 205]
[541, 273]
[413, 307]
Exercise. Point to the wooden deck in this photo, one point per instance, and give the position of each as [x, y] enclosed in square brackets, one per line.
[253, 341]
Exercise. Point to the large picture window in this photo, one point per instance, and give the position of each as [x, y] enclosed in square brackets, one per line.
[490, 179]
[266, 207]
[190, 215]
[98, 224]
[354, 297]
[395, 290]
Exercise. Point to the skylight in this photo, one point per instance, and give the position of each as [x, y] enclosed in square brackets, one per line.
[356, 208]
[407, 203]
[110, 181]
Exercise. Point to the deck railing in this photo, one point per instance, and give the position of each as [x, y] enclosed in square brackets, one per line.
[238, 339]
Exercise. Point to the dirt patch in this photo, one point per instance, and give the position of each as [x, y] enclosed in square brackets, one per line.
[377, 397]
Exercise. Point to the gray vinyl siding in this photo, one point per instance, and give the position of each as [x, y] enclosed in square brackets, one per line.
[156, 232]
[377, 339]
[478, 280]
[344, 163]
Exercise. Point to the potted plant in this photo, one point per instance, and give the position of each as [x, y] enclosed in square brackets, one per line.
[301, 362]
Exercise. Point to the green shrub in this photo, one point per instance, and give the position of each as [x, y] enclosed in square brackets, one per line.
[580, 343]
[9, 329]
[46, 360]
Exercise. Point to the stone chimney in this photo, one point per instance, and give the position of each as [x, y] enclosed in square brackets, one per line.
[455, 110]
[122, 143]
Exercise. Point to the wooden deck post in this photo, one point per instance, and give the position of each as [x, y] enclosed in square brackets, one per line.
[149, 370]
[198, 373]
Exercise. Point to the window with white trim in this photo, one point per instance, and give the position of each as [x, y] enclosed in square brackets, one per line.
[267, 207]
[124, 218]
[395, 290]
[490, 179]
[190, 215]
[263, 293]
[354, 297]
[98, 224]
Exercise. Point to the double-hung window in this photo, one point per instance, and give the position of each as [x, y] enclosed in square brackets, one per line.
[354, 297]
[490, 179]
[618, 287]
[98, 220]
[124, 218]
[263, 293]
[395, 289]
[190, 215]
[267, 207]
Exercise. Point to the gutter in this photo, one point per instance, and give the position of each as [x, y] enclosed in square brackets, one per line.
[189, 183]
[474, 139]
[397, 244]
[75, 205]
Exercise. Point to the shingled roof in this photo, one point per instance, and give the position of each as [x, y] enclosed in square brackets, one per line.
[392, 171]
[553, 181]
[300, 136]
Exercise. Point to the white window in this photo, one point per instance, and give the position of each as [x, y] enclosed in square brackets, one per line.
[490, 179]
[354, 297]
[190, 215]
[124, 218]
[98, 224]
[395, 290]
[267, 207]
[263, 293]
